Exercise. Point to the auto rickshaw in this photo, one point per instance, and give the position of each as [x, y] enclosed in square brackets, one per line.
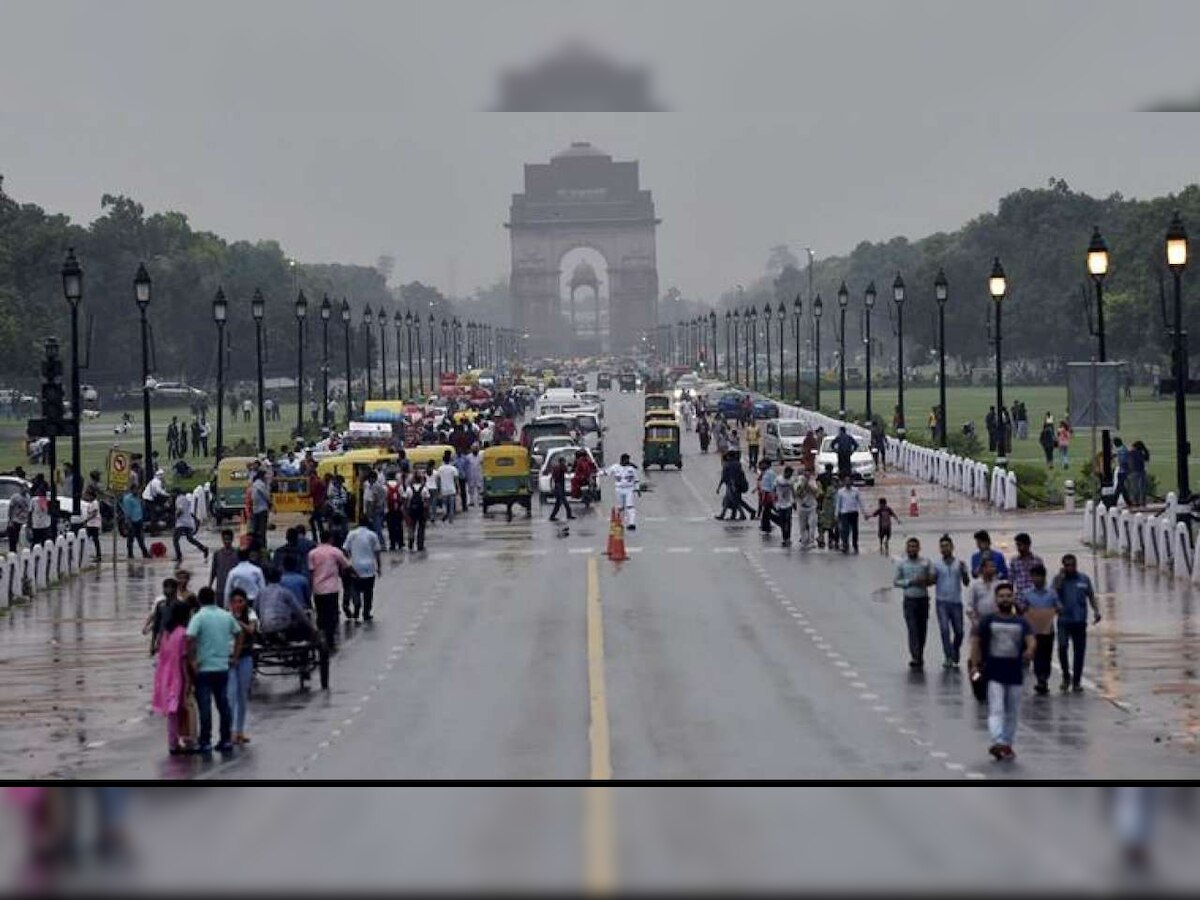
[506, 478]
[421, 456]
[231, 480]
[660, 445]
[657, 403]
[353, 467]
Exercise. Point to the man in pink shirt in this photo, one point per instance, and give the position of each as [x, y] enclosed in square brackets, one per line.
[326, 563]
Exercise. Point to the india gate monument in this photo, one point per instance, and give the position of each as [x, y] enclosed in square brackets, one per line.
[583, 201]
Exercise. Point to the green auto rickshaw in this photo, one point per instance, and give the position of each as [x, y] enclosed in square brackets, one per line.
[660, 445]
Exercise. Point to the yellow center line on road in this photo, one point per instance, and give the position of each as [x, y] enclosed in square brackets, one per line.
[599, 874]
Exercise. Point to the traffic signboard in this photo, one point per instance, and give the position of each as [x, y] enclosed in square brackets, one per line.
[118, 470]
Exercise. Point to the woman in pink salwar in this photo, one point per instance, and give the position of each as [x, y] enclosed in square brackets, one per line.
[170, 675]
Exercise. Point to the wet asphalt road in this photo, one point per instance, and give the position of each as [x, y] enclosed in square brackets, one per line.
[508, 652]
[724, 656]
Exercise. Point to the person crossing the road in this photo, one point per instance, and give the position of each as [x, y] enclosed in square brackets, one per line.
[951, 577]
[627, 486]
[753, 440]
[807, 498]
[849, 510]
[558, 483]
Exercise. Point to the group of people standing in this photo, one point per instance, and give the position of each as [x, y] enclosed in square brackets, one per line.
[1013, 614]
[182, 434]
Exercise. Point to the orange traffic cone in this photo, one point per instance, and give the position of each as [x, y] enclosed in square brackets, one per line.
[616, 538]
[914, 508]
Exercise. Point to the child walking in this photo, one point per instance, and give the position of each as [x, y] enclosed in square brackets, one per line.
[886, 516]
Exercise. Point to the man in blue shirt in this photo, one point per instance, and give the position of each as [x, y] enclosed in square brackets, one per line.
[951, 578]
[1075, 592]
[214, 640]
[1041, 606]
[983, 541]
[131, 508]
[294, 581]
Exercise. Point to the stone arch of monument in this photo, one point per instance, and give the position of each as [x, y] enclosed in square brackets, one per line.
[582, 198]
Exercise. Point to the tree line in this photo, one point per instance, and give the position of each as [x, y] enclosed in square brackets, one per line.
[186, 266]
[1041, 236]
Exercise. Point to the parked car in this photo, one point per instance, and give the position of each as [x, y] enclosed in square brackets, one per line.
[688, 384]
[862, 461]
[10, 484]
[729, 404]
[782, 439]
[174, 389]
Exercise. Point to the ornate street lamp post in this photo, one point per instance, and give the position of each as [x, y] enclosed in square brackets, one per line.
[257, 311]
[869, 304]
[408, 326]
[398, 323]
[782, 312]
[367, 321]
[817, 310]
[941, 292]
[141, 293]
[301, 315]
[382, 318]
[220, 310]
[737, 366]
[1097, 263]
[998, 287]
[349, 380]
[1177, 260]
[326, 314]
[898, 295]
[797, 306]
[767, 337]
[728, 331]
[432, 351]
[72, 277]
[843, 302]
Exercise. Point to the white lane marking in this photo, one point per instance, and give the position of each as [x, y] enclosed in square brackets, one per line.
[938, 754]
[862, 685]
[679, 549]
[955, 767]
[580, 550]
[724, 550]
[95, 745]
[976, 776]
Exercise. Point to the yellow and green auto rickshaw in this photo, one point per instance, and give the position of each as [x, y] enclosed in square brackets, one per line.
[506, 478]
[229, 486]
[660, 445]
[353, 466]
[422, 455]
[658, 403]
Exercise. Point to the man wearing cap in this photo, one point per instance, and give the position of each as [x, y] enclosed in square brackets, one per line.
[627, 486]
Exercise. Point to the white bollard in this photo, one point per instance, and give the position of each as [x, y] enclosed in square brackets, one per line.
[37, 558]
[1166, 545]
[1183, 551]
[1087, 536]
[1010, 495]
[1195, 562]
[1139, 538]
[5, 582]
[1112, 531]
[1125, 540]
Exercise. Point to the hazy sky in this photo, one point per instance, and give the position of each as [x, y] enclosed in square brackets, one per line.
[350, 129]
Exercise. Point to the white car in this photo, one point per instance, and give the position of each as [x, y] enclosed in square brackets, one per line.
[544, 445]
[545, 490]
[862, 461]
[176, 389]
[689, 383]
[594, 400]
[783, 439]
[11, 484]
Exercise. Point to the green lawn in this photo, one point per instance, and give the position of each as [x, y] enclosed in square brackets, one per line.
[98, 437]
[1143, 418]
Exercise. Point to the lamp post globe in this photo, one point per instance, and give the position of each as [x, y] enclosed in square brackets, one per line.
[368, 320]
[1097, 266]
[767, 311]
[326, 315]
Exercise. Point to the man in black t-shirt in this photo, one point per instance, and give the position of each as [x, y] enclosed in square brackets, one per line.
[1002, 644]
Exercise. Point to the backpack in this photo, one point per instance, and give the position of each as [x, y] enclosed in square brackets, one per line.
[742, 484]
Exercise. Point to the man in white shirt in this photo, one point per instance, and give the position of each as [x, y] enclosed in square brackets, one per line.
[245, 575]
[849, 507]
[447, 481]
[363, 547]
[627, 486]
[154, 488]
